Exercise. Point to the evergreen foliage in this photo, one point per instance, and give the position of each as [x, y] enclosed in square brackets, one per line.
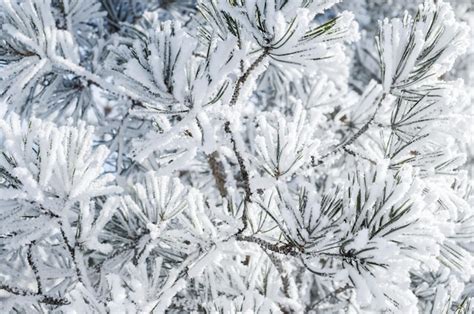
[235, 156]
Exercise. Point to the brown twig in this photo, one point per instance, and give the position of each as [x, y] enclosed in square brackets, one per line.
[244, 77]
[243, 170]
[244, 174]
[217, 169]
[280, 249]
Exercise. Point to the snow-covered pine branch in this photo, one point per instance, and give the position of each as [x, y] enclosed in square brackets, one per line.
[231, 156]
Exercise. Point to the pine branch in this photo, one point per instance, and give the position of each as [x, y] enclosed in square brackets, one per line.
[128, 216]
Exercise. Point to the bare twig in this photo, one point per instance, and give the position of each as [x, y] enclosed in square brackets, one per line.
[244, 174]
[344, 144]
[31, 262]
[243, 170]
[244, 77]
[41, 298]
[280, 249]
[331, 295]
[217, 169]
[82, 276]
